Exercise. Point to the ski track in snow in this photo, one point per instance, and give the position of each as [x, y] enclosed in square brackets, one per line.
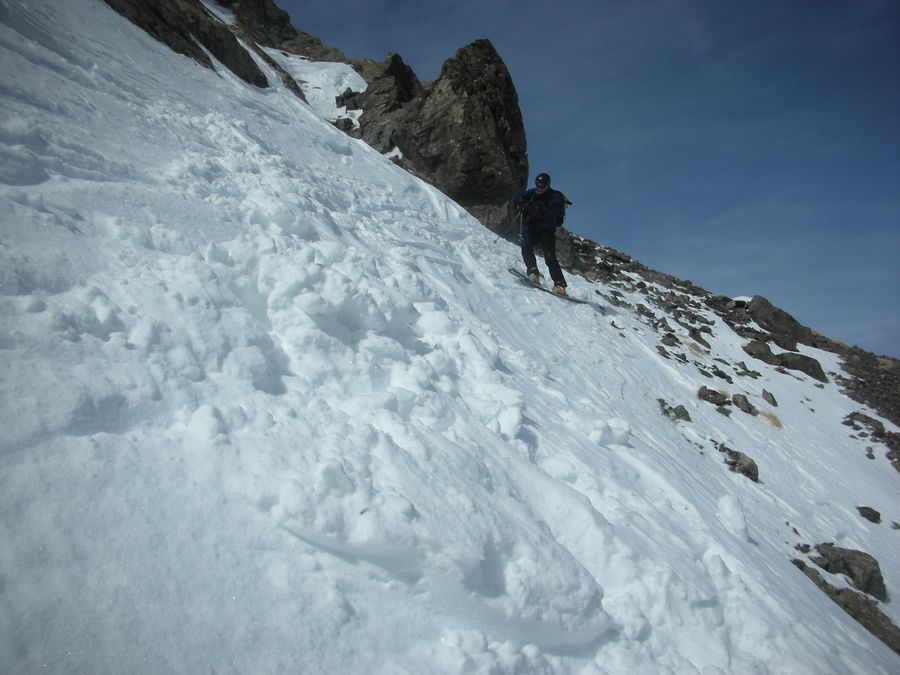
[272, 404]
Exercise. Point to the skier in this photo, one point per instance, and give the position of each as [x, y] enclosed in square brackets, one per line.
[541, 210]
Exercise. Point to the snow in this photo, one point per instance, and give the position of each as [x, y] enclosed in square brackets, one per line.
[321, 83]
[271, 404]
[221, 12]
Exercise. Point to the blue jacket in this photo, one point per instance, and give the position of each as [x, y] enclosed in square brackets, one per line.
[540, 212]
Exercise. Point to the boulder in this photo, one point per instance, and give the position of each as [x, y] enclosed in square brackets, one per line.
[740, 463]
[677, 413]
[744, 465]
[681, 413]
[862, 569]
[743, 403]
[803, 363]
[790, 360]
[712, 396]
[869, 514]
[697, 336]
[785, 330]
[670, 340]
[760, 350]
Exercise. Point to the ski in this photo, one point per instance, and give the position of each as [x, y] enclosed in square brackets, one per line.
[525, 281]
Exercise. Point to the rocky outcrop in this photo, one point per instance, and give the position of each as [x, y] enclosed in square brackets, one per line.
[712, 396]
[738, 462]
[863, 609]
[678, 413]
[463, 133]
[743, 403]
[181, 24]
[874, 380]
[861, 568]
[785, 330]
[790, 360]
[866, 426]
[271, 26]
[390, 103]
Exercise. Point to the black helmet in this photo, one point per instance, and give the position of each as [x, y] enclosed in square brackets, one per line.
[542, 179]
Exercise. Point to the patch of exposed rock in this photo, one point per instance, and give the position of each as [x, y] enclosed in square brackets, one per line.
[863, 609]
[785, 330]
[679, 412]
[740, 463]
[862, 569]
[181, 24]
[743, 403]
[712, 396]
[874, 380]
[866, 426]
[271, 26]
[789, 360]
[864, 574]
[869, 514]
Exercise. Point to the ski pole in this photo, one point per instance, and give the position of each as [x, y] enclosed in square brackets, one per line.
[520, 231]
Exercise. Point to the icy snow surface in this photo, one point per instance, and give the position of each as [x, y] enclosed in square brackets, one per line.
[271, 404]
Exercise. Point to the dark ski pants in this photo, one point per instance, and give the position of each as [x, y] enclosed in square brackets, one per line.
[546, 239]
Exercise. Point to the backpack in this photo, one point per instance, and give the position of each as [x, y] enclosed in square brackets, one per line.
[561, 218]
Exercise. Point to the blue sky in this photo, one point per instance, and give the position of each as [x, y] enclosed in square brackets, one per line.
[751, 147]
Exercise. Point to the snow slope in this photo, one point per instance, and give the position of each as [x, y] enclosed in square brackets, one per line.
[271, 404]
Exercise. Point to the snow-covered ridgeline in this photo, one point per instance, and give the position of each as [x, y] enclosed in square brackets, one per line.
[272, 404]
